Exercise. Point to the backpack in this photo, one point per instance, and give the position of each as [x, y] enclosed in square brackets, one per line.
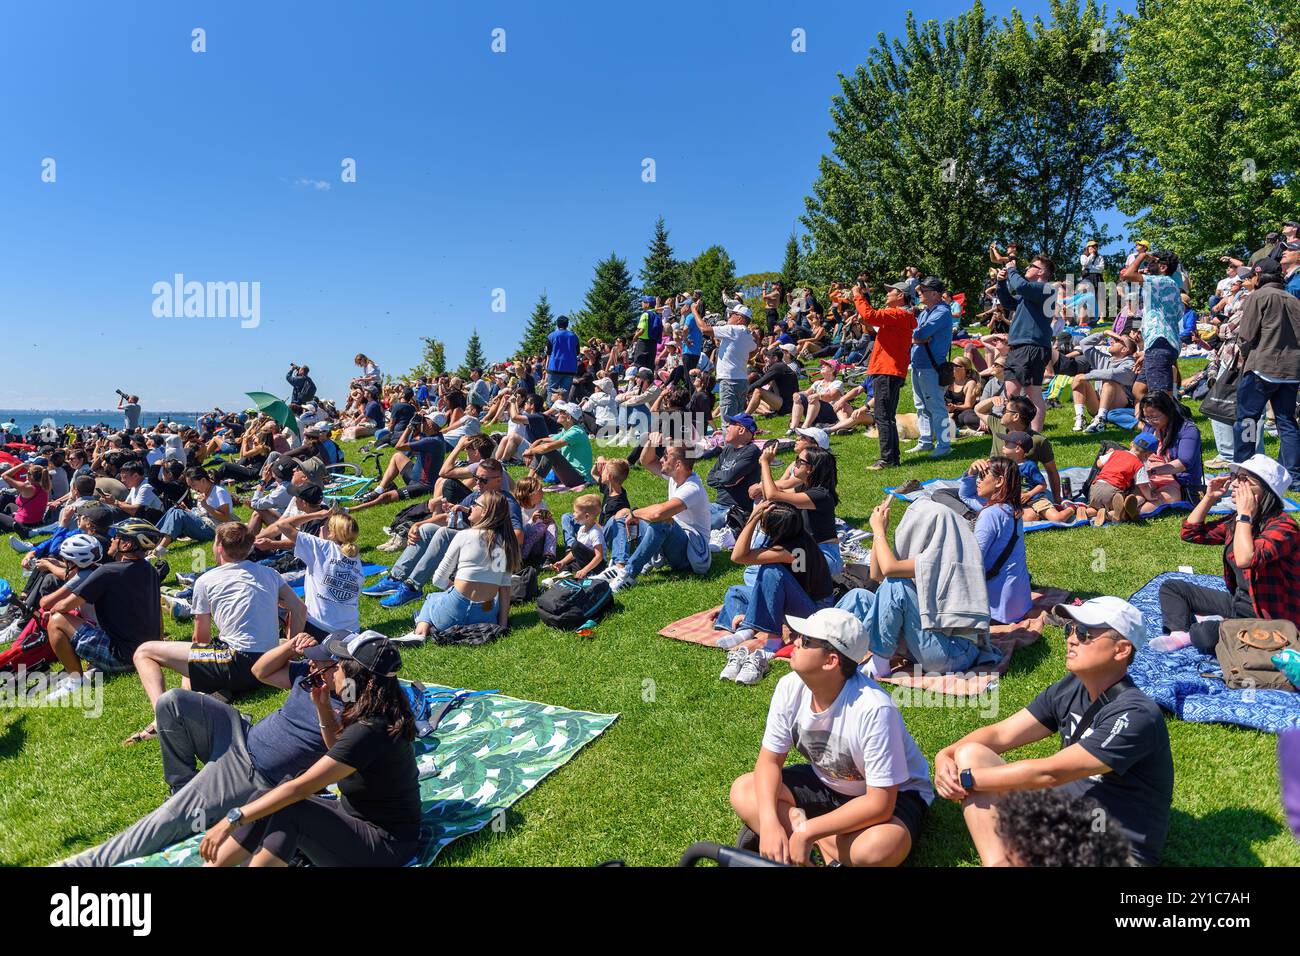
[30, 650]
[569, 604]
[1245, 650]
[523, 586]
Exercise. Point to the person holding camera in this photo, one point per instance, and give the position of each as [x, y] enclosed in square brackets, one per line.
[129, 405]
[299, 379]
[376, 820]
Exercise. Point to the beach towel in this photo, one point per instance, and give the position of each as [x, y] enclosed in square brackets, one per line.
[484, 756]
[697, 628]
[1076, 475]
[1178, 680]
[1008, 638]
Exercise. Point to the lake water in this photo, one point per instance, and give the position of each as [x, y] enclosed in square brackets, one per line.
[25, 418]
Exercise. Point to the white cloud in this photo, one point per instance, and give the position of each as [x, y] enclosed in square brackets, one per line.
[319, 185]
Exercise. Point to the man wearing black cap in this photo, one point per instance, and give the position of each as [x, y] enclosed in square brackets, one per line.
[1268, 340]
[238, 758]
[1031, 299]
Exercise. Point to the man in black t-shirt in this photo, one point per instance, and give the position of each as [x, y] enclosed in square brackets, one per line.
[1114, 743]
[732, 474]
[124, 592]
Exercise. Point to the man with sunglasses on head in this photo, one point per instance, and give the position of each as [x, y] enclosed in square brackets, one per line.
[1114, 743]
[864, 792]
[238, 758]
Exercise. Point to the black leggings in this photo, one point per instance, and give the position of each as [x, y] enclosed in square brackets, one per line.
[326, 834]
[1181, 601]
[9, 523]
[229, 470]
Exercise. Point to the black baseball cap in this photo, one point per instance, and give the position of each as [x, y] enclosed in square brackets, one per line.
[309, 492]
[933, 283]
[370, 649]
[283, 468]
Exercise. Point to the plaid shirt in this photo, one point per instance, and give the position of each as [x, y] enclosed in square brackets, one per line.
[1273, 576]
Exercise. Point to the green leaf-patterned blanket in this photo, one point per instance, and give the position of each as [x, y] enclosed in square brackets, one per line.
[483, 757]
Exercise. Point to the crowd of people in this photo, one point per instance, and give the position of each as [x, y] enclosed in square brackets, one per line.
[681, 399]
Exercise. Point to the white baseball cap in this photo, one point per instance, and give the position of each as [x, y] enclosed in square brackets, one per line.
[1112, 612]
[815, 434]
[838, 628]
[1277, 478]
[740, 310]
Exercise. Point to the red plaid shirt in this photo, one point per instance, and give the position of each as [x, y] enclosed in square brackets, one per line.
[1273, 576]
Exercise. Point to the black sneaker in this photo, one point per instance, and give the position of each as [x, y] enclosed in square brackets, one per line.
[879, 464]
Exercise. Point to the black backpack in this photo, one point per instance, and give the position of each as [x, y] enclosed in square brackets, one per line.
[523, 585]
[570, 604]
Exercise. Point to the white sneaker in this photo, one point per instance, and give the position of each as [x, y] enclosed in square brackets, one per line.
[410, 637]
[609, 574]
[622, 581]
[755, 667]
[19, 545]
[158, 552]
[919, 447]
[10, 633]
[395, 542]
[735, 660]
[1078, 423]
[68, 685]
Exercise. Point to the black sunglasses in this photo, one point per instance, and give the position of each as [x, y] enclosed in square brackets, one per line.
[1081, 634]
[807, 642]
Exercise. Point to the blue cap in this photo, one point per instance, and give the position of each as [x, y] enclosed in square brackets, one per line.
[744, 421]
[1146, 440]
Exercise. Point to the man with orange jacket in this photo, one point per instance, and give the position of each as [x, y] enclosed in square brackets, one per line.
[888, 363]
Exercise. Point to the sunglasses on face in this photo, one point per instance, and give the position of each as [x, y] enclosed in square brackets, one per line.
[484, 476]
[1082, 635]
[808, 643]
[803, 461]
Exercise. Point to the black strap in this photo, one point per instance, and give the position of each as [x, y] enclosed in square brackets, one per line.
[994, 571]
[926, 346]
[1086, 720]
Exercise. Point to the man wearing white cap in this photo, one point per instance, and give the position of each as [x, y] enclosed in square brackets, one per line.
[567, 453]
[1114, 743]
[864, 792]
[732, 360]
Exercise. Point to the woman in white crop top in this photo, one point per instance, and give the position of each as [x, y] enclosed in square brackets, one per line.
[475, 573]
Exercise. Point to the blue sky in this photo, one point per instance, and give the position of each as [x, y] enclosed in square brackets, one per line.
[475, 171]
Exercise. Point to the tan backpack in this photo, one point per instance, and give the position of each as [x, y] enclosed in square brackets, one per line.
[1245, 650]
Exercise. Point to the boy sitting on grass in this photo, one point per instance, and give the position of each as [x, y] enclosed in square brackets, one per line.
[584, 539]
[1035, 497]
[1121, 491]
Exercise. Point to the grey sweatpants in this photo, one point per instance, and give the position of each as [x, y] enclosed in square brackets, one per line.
[419, 561]
[192, 728]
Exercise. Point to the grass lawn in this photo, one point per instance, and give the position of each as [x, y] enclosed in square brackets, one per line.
[658, 779]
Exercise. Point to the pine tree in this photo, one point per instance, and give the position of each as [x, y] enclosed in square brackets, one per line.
[661, 275]
[540, 324]
[790, 268]
[433, 359]
[712, 272]
[474, 357]
[609, 309]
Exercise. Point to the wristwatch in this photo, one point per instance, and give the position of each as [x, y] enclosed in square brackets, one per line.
[967, 781]
[235, 815]
[1246, 518]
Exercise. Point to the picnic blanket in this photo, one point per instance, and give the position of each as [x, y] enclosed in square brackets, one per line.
[698, 629]
[1177, 680]
[482, 758]
[1076, 475]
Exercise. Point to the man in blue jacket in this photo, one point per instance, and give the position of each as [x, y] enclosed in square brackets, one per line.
[931, 343]
[1031, 300]
[561, 357]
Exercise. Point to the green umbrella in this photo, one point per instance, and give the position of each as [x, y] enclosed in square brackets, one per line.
[276, 409]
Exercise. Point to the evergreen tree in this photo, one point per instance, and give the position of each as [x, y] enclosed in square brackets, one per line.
[474, 357]
[609, 309]
[540, 324]
[712, 272]
[661, 275]
[790, 268]
[433, 359]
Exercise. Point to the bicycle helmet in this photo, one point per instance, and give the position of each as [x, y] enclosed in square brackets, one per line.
[144, 534]
[83, 550]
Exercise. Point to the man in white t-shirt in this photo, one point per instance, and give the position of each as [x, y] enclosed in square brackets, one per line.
[238, 599]
[732, 359]
[676, 530]
[864, 792]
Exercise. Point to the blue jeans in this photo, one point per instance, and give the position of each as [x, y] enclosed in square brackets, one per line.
[663, 538]
[561, 380]
[1225, 442]
[179, 523]
[892, 616]
[775, 593]
[1253, 393]
[931, 412]
[717, 516]
[446, 609]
